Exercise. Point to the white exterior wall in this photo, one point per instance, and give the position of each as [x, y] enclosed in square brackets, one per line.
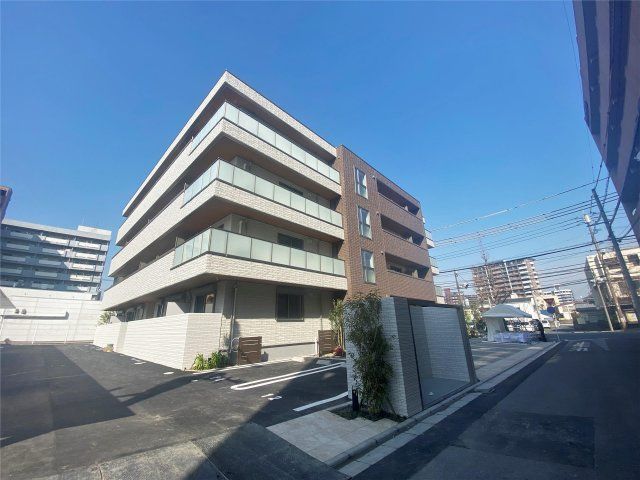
[51, 316]
[173, 341]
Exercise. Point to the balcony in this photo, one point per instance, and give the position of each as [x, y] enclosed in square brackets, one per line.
[429, 239]
[148, 207]
[163, 276]
[405, 249]
[221, 242]
[435, 270]
[240, 178]
[224, 183]
[403, 285]
[260, 130]
[400, 215]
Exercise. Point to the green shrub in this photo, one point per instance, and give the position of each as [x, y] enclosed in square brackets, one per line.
[364, 330]
[336, 319]
[218, 360]
[199, 363]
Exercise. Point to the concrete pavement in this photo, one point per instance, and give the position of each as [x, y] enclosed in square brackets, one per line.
[571, 416]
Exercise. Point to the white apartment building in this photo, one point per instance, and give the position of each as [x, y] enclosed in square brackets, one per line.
[234, 233]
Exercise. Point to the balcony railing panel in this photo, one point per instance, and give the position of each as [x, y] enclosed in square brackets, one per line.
[262, 131]
[240, 178]
[222, 242]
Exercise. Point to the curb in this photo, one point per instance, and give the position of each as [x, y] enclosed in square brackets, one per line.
[481, 387]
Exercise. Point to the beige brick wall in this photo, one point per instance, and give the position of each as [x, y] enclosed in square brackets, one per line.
[256, 315]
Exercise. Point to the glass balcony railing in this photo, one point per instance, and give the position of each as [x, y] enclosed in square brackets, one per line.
[233, 175]
[221, 242]
[260, 130]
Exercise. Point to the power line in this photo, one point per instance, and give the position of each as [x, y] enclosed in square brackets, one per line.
[510, 209]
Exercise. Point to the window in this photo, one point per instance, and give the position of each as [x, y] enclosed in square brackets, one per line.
[634, 259]
[364, 222]
[204, 303]
[289, 307]
[291, 189]
[361, 183]
[290, 241]
[160, 309]
[367, 267]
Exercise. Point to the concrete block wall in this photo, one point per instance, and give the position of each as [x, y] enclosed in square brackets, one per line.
[426, 342]
[107, 334]
[173, 341]
[51, 316]
[404, 387]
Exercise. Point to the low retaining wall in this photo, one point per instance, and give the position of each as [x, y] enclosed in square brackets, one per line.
[173, 341]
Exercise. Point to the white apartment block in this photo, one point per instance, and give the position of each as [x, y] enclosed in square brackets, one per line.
[234, 233]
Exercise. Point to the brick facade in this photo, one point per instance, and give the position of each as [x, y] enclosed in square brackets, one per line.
[382, 243]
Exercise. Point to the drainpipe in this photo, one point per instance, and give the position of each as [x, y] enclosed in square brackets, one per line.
[233, 317]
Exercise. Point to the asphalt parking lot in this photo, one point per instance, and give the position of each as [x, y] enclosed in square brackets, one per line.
[70, 406]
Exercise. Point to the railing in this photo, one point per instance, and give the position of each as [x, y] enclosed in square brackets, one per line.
[434, 263]
[439, 291]
[240, 178]
[221, 242]
[260, 130]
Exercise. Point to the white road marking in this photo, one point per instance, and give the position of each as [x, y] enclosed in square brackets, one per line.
[278, 397]
[580, 346]
[139, 363]
[168, 373]
[284, 378]
[320, 402]
[267, 395]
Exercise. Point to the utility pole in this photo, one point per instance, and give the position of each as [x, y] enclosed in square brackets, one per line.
[623, 265]
[621, 318]
[606, 309]
[460, 299]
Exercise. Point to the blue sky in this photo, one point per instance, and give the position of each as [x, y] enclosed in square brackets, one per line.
[471, 107]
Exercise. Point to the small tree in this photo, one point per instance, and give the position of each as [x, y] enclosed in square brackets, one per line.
[336, 319]
[105, 317]
[364, 330]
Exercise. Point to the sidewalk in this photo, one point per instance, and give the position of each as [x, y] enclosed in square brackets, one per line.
[354, 445]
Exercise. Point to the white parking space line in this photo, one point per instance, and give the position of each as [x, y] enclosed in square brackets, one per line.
[284, 378]
[320, 402]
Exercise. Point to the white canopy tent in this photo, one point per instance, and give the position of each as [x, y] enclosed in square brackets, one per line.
[495, 317]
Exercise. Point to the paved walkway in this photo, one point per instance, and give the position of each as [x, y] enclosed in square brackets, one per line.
[323, 435]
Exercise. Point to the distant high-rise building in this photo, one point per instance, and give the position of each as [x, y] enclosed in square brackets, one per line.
[565, 295]
[5, 198]
[52, 258]
[497, 281]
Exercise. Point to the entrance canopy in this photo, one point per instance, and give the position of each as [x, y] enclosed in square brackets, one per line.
[505, 311]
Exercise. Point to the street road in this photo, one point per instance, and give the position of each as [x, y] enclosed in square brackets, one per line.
[574, 415]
